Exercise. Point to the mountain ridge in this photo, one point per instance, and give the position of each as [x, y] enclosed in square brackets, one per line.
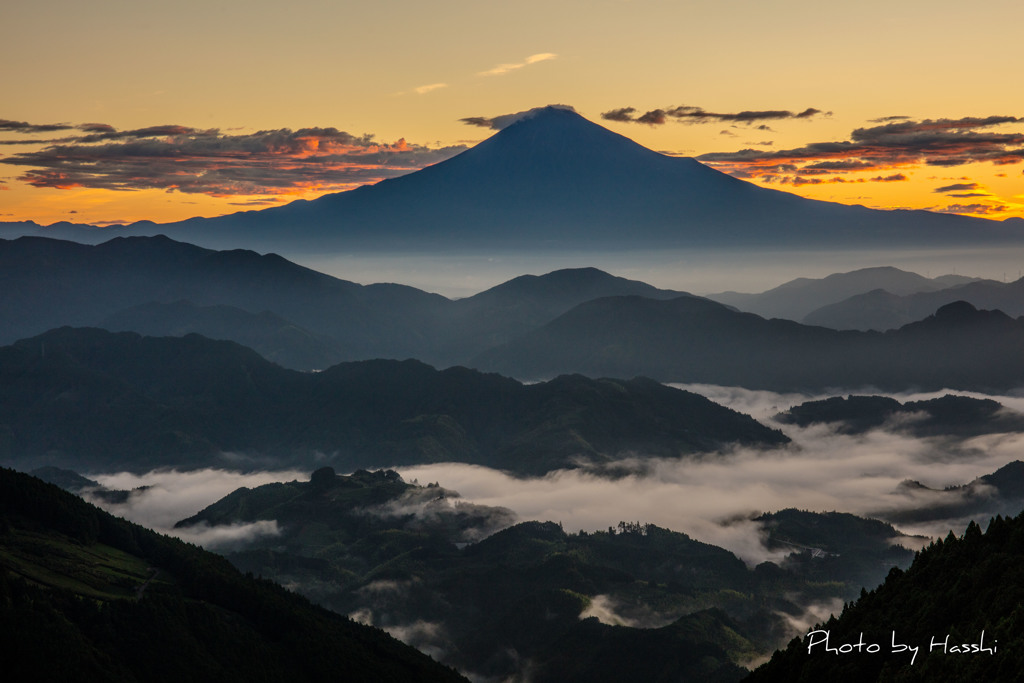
[51, 283]
[698, 340]
[120, 400]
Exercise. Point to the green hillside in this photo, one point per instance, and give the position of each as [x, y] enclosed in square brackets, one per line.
[85, 596]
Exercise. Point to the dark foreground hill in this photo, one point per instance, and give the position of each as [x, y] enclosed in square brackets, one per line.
[697, 340]
[88, 399]
[88, 597]
[953, 616]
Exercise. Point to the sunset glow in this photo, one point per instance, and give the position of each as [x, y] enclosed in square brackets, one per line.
[267, 107]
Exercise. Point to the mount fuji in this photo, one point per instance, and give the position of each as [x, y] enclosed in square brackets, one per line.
[554, 180]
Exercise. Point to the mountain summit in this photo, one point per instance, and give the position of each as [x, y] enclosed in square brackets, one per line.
[554, 180]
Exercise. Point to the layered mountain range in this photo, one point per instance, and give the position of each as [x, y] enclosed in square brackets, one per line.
[533, 327]
[291, 314]
[695, 340]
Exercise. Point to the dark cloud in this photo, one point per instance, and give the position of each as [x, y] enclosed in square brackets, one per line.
[191, 160]
[957, 187]
[887, 119]
[96, 128]
[977, 209]
[103, 133]
[258, 202]
[808, 113]
[690, 114]
[480, 121]
[941, 126]
[839, 166]
[655, 117]
[802, 179]
[892, 145]
[625, 114]
[24, 127]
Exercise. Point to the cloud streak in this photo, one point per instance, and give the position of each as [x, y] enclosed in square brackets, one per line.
[694, 115]
[502, 69]
[178, 158]
[424, 89]
[24, 127]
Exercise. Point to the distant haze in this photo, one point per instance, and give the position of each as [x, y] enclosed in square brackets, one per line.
[463, 274]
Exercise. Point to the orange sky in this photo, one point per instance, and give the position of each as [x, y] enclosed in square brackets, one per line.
[119, 111]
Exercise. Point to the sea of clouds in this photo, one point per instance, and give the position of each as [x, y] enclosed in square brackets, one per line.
[713, 497]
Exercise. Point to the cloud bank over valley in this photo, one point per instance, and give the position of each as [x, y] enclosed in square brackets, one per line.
[714, 498]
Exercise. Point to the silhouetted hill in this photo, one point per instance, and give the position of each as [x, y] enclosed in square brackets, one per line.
[49, 283]
[292, 315]
[796, 299]
[836, 545]
[948, 415]
[882, 311]
[696, 340]
[88, 597]
[270, 335]
[511, 309]
[91, 399]
[1001, 492]
[958, 605]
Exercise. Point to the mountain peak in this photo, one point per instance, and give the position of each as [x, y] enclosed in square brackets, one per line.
[549, 179]
[548, 112]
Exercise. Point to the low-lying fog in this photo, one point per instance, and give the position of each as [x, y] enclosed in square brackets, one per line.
[711, 498]
[698, 271]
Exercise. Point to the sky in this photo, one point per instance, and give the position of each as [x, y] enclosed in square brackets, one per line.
[121, 111]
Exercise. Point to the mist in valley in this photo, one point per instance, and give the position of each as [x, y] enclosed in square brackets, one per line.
[457, 274]
[715, 498]
[712, 497]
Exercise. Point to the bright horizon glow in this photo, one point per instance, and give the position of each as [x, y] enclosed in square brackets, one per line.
[260, 67]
